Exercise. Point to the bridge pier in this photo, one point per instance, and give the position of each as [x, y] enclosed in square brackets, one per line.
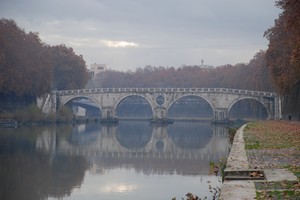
[221, 115]
[160, 112]
[160, 115]
[108, 114]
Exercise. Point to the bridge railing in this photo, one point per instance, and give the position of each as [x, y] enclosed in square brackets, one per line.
[165, 90]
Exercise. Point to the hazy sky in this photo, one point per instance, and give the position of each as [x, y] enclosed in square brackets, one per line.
[126, 34]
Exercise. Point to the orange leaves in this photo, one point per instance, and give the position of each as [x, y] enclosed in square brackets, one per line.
[28, 66]
[69, 69]
[283, 53]
[22, 61]
[252, 76]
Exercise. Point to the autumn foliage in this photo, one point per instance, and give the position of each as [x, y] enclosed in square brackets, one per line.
[252, 76]
[23, 64]
[31, 68]
[283, 54]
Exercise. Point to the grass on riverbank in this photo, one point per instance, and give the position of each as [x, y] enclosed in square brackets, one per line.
[278, 139]
[34, 115]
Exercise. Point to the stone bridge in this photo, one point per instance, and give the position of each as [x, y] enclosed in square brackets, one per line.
[220, 100]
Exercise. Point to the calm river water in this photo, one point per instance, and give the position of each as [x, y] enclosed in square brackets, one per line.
[132, 160]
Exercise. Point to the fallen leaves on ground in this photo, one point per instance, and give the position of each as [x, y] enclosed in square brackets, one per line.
[275, 144]
[273, 134]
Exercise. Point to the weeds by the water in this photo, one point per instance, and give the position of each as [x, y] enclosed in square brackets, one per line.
[215, 169]
[34, 115]
[231, 134]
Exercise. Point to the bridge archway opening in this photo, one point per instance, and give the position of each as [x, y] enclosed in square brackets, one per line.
[134, 107]
[190, 107]
[133, 134]
[83, 107]
[248, 109]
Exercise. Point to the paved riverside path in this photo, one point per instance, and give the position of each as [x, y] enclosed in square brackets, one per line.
[238, 161]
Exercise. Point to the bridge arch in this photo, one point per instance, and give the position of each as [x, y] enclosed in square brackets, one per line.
[257, 100]
[205, 100]
[142, 97]
[81, 96]
[90, 109]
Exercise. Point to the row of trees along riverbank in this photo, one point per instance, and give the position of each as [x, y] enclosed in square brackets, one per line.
[283, 56]
[252, 76]
[30, 68]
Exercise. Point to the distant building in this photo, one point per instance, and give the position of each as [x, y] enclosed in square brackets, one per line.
[96, 69]
[96, 75]
[205, 67]
[202, 66]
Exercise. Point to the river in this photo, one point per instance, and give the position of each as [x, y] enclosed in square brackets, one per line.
[131, 160]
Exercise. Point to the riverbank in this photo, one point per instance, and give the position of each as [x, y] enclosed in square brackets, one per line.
[264, 162]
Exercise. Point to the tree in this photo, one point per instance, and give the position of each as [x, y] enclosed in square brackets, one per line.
[283, 54]
[30, 68]
[69, 70]
[24, 66]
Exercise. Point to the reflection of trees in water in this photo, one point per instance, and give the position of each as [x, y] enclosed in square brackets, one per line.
[26, 174]
[248, 109]
[66, 172]
[133, 134]
[189, 135]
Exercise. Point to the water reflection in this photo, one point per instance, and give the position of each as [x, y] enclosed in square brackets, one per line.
[190, 135]
[55, 160]
[134, 135]
[29, 174]
[119, 188]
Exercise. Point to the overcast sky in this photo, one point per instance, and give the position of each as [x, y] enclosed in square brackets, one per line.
[127, 34]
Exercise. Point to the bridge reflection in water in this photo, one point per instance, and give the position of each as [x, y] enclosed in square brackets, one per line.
[181, 148]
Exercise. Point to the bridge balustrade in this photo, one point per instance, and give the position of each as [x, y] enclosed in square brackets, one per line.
[151, 90]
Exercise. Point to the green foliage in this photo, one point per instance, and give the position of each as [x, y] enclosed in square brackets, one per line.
[252, 145]
[231, 133]
[217, 168]
[279, 189]
[249, 126]
[33, 115]
[286, 194]
[295, 169]
[64, 114]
